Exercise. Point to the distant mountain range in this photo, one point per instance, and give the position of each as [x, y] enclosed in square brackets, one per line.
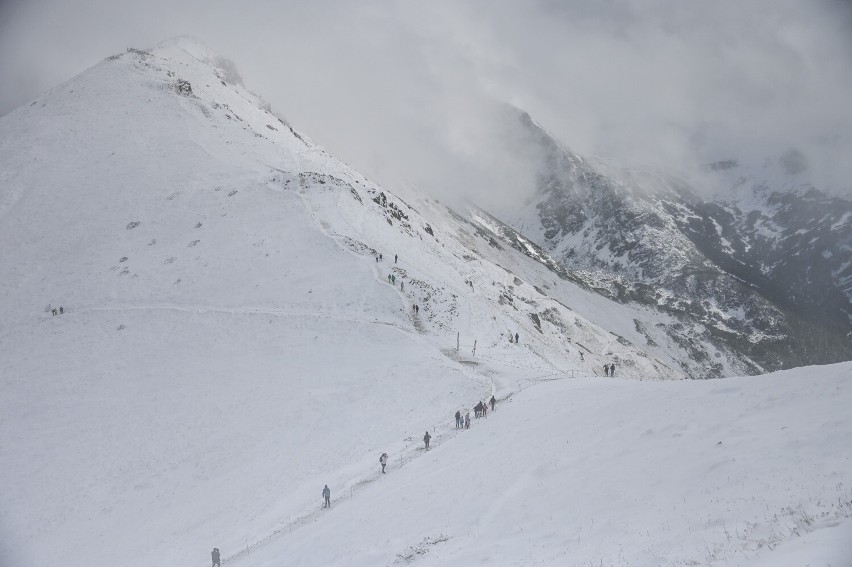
[765, 276]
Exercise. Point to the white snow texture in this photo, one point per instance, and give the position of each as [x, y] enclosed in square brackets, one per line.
[229, 344]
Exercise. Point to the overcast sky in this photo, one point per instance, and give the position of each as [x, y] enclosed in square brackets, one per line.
[409, 90]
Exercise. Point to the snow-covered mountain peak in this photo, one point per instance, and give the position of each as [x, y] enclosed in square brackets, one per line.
[174, 47]
[206, 318]
[762, 274]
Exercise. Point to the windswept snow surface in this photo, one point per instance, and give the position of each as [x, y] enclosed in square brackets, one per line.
[230, 345]
[738, 471]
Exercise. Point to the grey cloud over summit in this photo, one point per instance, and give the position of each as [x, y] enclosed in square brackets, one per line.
[409, 92]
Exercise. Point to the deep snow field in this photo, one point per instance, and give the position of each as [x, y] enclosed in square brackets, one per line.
[231, 345]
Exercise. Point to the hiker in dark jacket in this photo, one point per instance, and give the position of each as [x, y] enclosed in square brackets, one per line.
[426, 439]
[458, 419]
[215, 555]
[383, 460]
[326, 494]
[612, 369]
[493, 401]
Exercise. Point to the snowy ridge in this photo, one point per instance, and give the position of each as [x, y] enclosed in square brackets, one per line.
[760, 281]
[230, 343]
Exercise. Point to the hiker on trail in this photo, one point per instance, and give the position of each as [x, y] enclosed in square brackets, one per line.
[458, 420]
[53, 311]
[581, 356]
[383, 460]
[426, 440]
[476, 409]
[517, 339]
[612, 369]
[484, 409]
[393, 279]
[389, 278]
[467, 420]
[401, 286]
[606, 369]
[492, 401]
[326, 494]
[395, 258]
[61, 310]
[215, 555]
[377, 259]
[417, 309]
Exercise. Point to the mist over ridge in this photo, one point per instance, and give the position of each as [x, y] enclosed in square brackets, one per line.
[410, 94]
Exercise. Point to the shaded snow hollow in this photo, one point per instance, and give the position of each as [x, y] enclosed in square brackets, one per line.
[231, 345]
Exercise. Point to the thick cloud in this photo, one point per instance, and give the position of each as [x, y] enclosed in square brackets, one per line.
[409, 92]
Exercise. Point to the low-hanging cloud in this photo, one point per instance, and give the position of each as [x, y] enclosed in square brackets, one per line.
[413, 93]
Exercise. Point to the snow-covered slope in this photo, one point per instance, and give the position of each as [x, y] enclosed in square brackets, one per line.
[217, 351]
[230, 343]
[228, 338]
[593, 472]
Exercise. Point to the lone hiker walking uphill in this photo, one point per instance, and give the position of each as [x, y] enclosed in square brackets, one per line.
[426, 439]
[326, 494]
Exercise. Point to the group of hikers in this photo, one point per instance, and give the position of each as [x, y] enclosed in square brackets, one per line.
[55, 311]
[392, 277]
[479, 410]
[392, 281]
[609, 369]
[381, 258]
